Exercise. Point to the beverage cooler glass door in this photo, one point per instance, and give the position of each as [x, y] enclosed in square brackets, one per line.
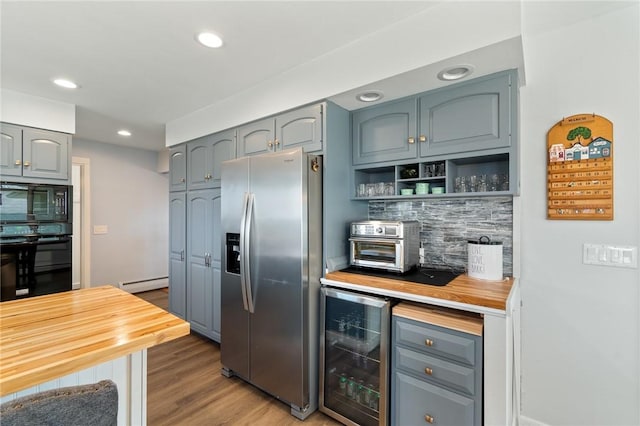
[354, 357]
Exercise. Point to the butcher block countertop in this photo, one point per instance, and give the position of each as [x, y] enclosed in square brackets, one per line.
[47, 337]
[463, 292]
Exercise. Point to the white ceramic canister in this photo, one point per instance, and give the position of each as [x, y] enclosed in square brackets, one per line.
[485, 259]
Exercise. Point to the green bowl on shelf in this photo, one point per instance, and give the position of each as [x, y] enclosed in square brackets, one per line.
[406, 191]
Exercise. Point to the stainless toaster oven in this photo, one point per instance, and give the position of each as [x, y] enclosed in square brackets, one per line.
[388, 245]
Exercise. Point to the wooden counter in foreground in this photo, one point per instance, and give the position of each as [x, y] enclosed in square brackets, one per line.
[463, 289]
[48, 337]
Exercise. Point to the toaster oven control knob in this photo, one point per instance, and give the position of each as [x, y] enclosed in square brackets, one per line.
[379, 230]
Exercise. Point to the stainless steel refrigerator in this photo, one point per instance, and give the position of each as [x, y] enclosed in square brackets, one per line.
[272, 259]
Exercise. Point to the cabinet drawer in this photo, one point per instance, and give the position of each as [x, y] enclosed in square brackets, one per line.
[435, 370]
[435, 340]
[417, 402]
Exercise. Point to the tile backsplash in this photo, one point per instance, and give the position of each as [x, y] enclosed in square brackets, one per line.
[447, 224]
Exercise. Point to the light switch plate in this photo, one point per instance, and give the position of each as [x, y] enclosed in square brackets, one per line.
[610, 255]
[100, 229]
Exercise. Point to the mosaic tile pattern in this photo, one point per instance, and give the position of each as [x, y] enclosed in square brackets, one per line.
[447, 225]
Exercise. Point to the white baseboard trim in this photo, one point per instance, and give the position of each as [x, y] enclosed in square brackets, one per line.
[527, 421]
[144, 285]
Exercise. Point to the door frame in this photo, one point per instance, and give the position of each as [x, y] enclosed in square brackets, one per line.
[85, 229]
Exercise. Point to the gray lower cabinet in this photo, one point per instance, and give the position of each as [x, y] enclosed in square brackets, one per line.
[436, 369]
[34, 154]
[177, 253]
[302, 127]
[203, 261]
[178, 168]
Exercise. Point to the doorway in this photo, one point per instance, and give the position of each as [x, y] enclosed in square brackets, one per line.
[81, 261]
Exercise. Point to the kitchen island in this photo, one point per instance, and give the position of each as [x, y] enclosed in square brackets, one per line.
[80, 337]
[498, 302]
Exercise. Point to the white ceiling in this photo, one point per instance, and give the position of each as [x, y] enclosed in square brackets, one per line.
[139, 67]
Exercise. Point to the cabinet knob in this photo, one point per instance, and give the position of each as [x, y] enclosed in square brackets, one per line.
[412, 140]
[429, 419]
[422, 138]
[269, 144]
[27, 164]
[428, 342]
[277, 142]
[18, 162]
[428, 371]
[183, 180]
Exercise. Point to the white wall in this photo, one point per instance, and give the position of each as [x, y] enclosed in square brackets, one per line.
[34, 111]
[580, 323]
[132, 199]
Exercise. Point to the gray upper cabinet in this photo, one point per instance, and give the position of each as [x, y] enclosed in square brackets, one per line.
[385, 133]
[471, 117]
[199, 163]
[10, 150]
[256, 138]
[223, 146]
[35, 154]
[178, 168]
[205, 156]
[302, 127]
[299, 128]
[177, 252]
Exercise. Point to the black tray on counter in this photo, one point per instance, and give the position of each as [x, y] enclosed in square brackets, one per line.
[427, 276]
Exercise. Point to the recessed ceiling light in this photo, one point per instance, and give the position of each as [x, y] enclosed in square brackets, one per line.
[67, 84]
[209, 40]
[124, 132]
[370, 96]
[455, 73]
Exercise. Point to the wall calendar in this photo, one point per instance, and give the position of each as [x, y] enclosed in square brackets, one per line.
[580, 168]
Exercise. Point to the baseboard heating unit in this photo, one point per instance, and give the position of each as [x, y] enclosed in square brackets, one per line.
[144, 285]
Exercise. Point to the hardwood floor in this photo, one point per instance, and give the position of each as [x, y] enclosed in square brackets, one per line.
[185, 387]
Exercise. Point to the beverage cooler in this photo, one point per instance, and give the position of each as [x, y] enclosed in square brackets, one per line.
[354, 357]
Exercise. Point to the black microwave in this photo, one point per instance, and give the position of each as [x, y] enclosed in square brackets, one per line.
[30, 202]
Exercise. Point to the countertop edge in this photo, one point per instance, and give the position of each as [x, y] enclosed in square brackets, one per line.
[420, 299]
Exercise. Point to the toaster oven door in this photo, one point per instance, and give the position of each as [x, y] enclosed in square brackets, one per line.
[382, 253]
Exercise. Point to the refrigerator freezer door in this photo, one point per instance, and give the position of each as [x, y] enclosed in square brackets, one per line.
[234, 317]
[277, 252]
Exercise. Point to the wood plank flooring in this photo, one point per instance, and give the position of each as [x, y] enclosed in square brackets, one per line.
[185, 387]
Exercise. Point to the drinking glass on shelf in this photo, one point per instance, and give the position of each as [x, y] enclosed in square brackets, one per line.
[504, 182]
[494, 182]
[439, 169]
[389, 189]
[379, 189]
[431, 170]
[361, 190]
[371, 189]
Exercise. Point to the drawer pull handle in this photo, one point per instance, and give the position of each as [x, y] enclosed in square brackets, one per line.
[429, 419]
[428, 371]
[428, 342]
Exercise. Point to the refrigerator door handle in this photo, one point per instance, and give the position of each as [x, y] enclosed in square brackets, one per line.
[243, 250]
[247, 258]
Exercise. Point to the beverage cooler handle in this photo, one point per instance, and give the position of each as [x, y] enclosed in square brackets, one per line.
[247, 258]
[243, 249]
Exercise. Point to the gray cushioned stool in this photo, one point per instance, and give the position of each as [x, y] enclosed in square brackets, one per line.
[85, 405]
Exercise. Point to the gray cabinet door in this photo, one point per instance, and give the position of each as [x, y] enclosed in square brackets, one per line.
[385, 133]
[200, 163]
[223, 146]
[417, 402]
[216, 264]
[300, 128]
[178, 168]
[10, 150]
[199, 275]
[45, 154]
[469, 117]
[177, 261]
[203, 248]
[256, 138]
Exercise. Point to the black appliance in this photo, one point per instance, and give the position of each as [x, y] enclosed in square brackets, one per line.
[35, 239]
